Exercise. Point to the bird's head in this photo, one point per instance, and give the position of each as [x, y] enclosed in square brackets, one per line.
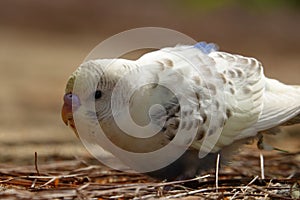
[89, 89]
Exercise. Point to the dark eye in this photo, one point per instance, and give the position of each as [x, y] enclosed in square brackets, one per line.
[98, 94]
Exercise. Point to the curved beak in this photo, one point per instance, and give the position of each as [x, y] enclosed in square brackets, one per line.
[66, 113]
[71, 104]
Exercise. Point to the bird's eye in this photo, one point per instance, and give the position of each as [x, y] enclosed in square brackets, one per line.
[98, 94]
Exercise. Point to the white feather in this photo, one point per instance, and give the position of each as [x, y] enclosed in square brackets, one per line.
[281, 103]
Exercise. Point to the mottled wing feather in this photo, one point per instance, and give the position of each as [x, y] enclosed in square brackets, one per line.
[229, 91]
[244, 86]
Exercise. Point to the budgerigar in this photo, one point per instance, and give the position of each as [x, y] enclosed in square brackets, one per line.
[224, 98]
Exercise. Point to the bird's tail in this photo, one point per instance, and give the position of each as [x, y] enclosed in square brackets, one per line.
[296, 119]
[281, 105]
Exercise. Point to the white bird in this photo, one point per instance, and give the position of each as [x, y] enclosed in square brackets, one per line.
[210, 102]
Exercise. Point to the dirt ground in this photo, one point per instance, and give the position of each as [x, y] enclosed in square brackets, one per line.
[40, 49]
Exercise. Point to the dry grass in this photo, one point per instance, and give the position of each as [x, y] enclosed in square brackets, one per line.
[78, 179]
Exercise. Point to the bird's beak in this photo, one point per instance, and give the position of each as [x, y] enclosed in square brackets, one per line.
[68, 109]
[66, 113]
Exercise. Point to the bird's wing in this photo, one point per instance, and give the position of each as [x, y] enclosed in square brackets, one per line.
[228, 90]
[244, 85]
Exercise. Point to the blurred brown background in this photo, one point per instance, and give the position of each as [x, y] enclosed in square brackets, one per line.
[43, 42]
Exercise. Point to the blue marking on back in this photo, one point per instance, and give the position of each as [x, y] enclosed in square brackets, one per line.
[206, 48]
